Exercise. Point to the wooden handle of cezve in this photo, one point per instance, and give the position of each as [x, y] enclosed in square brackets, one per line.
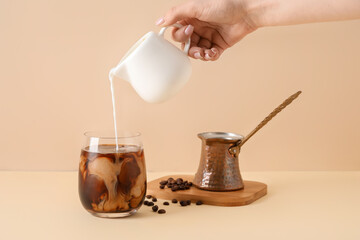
[270, 116]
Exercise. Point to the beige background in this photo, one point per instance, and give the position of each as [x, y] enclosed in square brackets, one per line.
[55, 57]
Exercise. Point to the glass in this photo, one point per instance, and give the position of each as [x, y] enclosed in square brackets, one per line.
[112, 174]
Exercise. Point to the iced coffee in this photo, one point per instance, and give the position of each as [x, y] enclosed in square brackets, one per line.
[112, 181]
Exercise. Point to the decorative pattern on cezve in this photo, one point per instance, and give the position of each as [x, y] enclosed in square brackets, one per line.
[219, 168]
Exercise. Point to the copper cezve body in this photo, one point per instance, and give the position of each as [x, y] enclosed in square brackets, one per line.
[219, 165]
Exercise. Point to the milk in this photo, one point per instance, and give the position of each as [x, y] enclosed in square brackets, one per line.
[111, 78]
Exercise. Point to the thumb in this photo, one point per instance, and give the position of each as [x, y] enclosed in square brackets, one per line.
[181, 12]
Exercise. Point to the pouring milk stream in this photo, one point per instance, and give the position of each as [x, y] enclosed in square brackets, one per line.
[154, 67]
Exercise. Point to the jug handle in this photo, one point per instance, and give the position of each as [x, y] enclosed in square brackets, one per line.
[234, 150]
[177, 25]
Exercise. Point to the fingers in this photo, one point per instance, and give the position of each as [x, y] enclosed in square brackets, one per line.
[196, 52]
[202, 48]
[212, 54]
[204, 53]
[182, 34]
[184, 11]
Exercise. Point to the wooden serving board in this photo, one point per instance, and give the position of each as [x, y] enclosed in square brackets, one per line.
[251, 192]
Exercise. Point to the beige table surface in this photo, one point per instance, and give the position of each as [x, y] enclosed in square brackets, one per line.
[299, 205]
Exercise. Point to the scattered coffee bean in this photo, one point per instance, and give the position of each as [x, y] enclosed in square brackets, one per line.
[166, 203]
[164, 182]
[148, 196]
[190, 184]
[155, 208]
[154, 199]
[188, 202]
[146, 202]
[199, 203]
[170, 179]
[150, 204]
[183, 203]
[161, 211]
[162, 186]
[174, 201]
[187, 187]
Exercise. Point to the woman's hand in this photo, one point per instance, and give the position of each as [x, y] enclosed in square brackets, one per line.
[214, 25]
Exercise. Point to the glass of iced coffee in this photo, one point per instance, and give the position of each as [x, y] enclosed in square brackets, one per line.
[112, 174]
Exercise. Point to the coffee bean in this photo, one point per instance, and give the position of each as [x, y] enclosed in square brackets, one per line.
[188, 202]
[183, 203]
[146, 202]
[154, 199]
[150, 204]
[164, 182]
[175, 188]
[166, 203]
[174, 201]
[179, 181]
[148, 196]
[161, 211]
[155, 208]
[175, 185]
[199, 203]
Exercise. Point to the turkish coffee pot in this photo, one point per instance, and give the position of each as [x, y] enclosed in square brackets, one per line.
[219, 164]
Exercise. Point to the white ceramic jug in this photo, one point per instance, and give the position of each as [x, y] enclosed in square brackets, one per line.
[154, 67]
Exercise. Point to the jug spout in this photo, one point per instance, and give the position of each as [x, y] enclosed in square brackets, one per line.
[120, 72]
